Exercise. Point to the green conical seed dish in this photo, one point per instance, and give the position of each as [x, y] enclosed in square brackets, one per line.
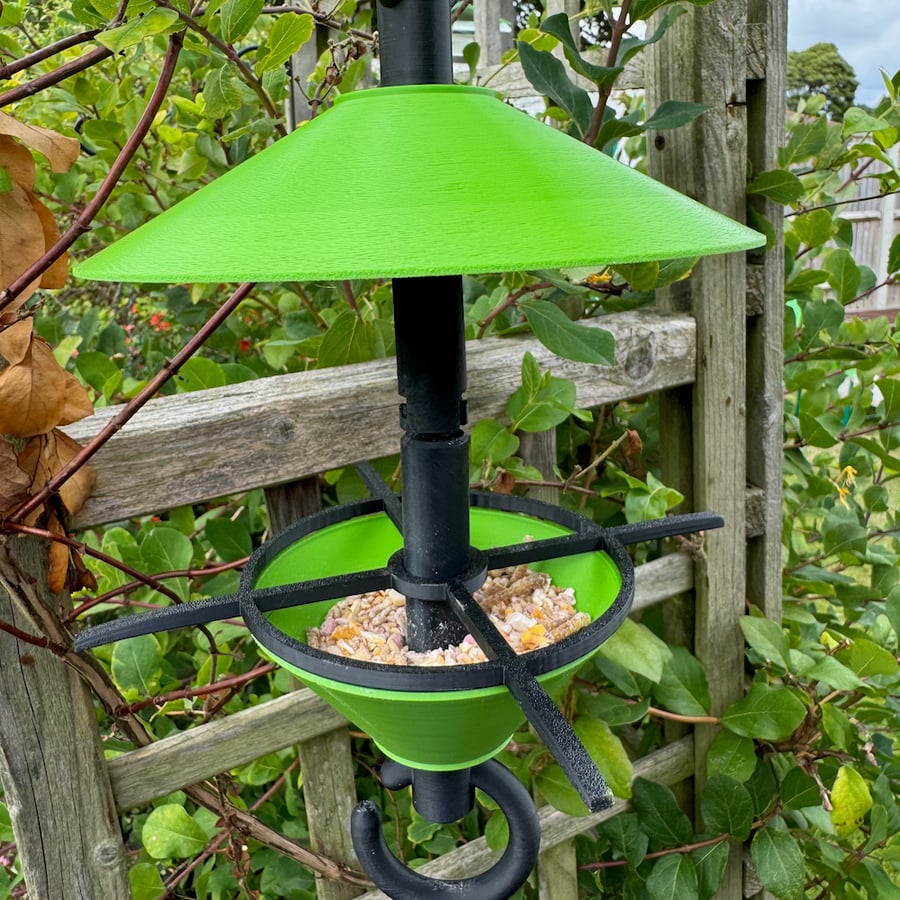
[432, 728]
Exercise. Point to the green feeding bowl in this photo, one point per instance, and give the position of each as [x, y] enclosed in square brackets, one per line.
[433, 718]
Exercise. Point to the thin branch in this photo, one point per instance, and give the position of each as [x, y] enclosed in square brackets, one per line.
[24, 62]
[133, 405]
[511, 299]
[685, 848]
[67, 70]
[809, 209]
[75, 544]
[619, 27]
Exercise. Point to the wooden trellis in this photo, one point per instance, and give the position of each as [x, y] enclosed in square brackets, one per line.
[713, 351]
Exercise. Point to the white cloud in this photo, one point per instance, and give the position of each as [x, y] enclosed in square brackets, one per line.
[866, 32]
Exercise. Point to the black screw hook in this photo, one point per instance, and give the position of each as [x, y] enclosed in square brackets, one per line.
[497, 883]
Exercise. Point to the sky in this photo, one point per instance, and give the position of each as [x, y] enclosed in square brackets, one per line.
[866, 33]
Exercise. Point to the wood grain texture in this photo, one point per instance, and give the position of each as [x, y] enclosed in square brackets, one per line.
[193, 447]
[702, 59]
[222, 744]
[667, 766]
[765, 330]
[51, 763]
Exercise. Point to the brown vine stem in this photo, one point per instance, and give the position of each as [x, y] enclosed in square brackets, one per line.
[67, 70]
[24, 62]
[619, 27]
[34, 639]
[124, 589]
[133, 405]
[686, 848]
[149, 580]
[511, 299]
[91, 210]
[205, 690]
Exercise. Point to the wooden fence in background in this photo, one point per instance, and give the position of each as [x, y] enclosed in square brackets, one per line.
[712, 350]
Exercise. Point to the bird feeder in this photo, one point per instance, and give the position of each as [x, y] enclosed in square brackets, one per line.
[419, 190]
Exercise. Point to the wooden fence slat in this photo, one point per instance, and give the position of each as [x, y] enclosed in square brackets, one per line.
[702, 59]
[193, 447]
[222, 744]
[766, 110]
[51, 763]
[668, 766]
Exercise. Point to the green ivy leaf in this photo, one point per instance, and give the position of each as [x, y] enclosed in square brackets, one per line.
[674, 114]
[731, 754]
[153, 22]
[231, 540]
[626, 837]
[778, 185]
[557, 790]
[711, 862]
[843, 274]
[673, 876]
[858, 121]
[608, 753]
[220, 93]
[640, 276]
[288, 35]
[349, 340]
[767, 638]
[540, 403]
[490, 440]
[170, 833]
[137, 664]
[798, 789]
[238, 17]
[866, 658]
[779, 863]
[100, 372]
[727, 806]
[660, 815]
[571, 340]
[814, 228]
[146, 882]
[560, 27]
[199, 374]
[496, 832]
[637, 649]
[682, 687]
[767, 713]
[893, 264]
[806, 141]
[547, 75]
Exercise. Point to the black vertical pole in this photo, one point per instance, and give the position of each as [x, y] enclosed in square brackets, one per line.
[415, 48]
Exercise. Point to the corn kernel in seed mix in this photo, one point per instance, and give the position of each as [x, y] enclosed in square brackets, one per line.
[525, 608]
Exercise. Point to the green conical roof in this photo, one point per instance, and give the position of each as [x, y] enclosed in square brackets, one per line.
[417, 180]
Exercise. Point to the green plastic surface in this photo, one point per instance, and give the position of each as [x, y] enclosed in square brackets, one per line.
[431, 730]
[410, 181]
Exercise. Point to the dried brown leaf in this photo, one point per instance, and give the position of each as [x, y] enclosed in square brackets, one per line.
[18, 162]
[21, 237]
[61, 151]
[45, 455]
[15, 341]
[32, 393]
[78, 404]
[14, 482]
[61, 450]
[56, 275]
[59, 557]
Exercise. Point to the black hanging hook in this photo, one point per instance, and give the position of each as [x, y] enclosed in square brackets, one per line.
[497, 883]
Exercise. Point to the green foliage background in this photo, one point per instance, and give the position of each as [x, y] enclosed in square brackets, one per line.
[803, 769]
